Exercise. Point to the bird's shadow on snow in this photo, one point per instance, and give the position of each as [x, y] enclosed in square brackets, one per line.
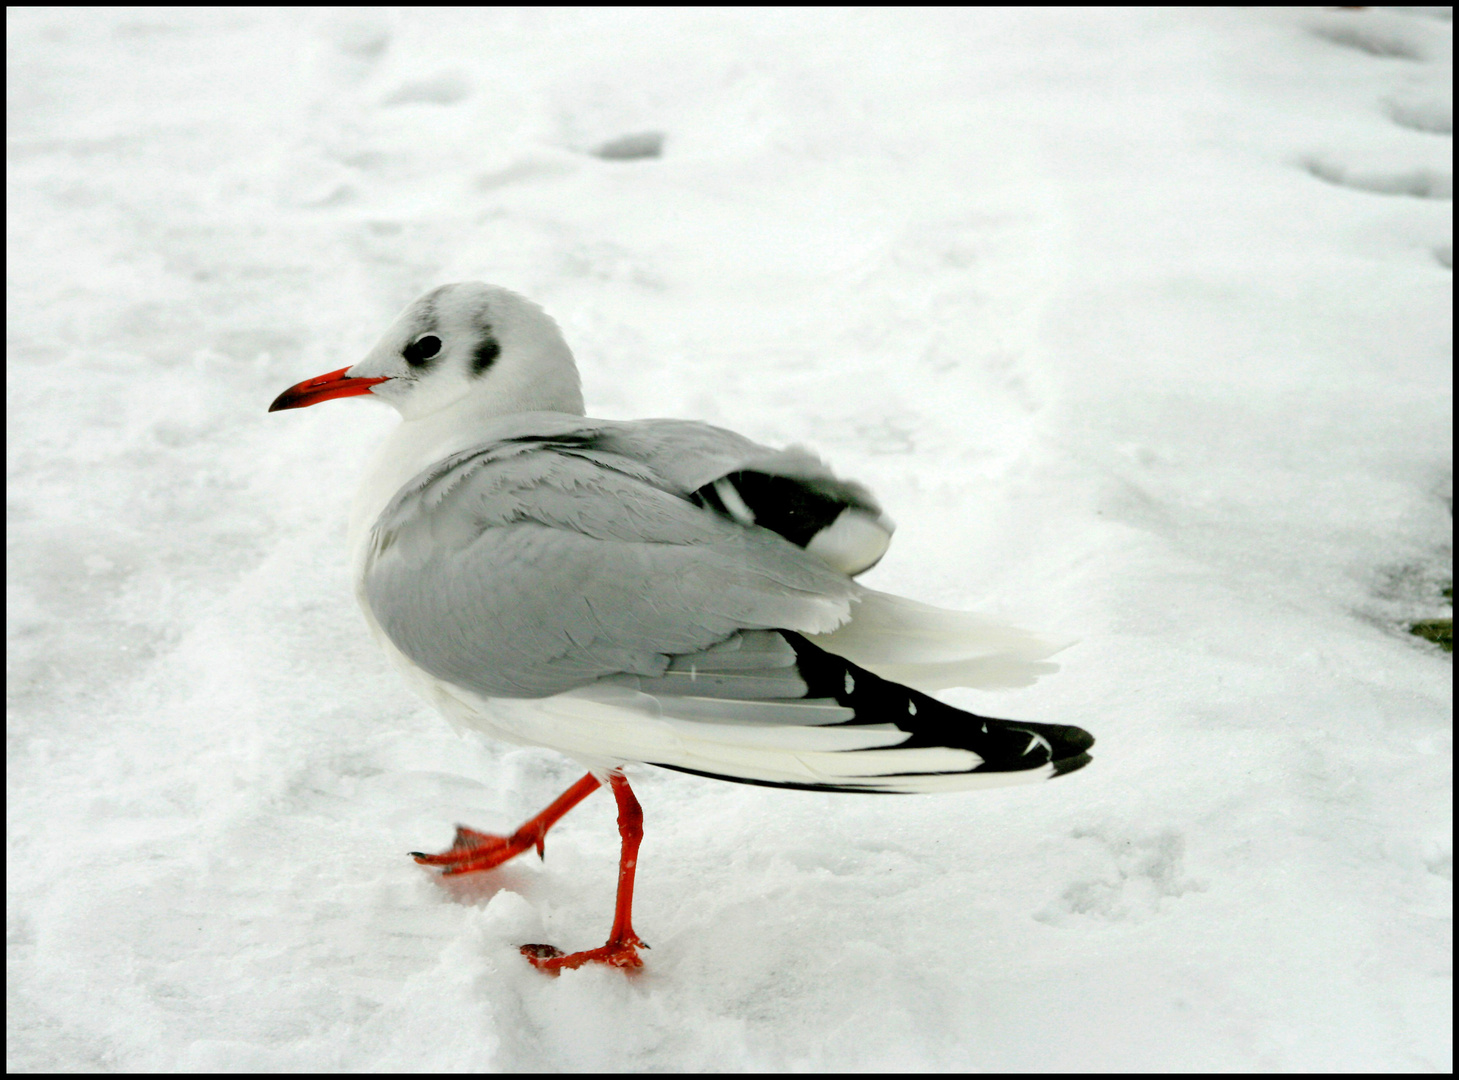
[477, 890]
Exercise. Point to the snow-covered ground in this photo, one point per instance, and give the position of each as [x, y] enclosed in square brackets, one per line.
[1139, 323]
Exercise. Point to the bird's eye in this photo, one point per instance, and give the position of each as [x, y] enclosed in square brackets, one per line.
[418, 352]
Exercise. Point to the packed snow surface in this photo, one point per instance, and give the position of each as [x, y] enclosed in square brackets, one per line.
[1137, 321]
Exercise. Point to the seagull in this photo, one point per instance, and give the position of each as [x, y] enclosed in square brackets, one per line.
[660, 592]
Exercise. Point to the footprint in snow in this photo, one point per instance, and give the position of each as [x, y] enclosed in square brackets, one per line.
[445, 89]
[352, 52]
[361, 41]
[1435, 116]
[635, 147]
[1432, 117]
[1127, 878]
[1387, 42]
[1420, 183]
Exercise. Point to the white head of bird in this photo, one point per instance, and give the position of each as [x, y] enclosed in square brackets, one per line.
[476, 348]
[456, 358]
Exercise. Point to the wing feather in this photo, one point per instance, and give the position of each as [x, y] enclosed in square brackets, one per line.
[526, 568]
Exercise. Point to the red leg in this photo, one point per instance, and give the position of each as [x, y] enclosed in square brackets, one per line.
[472, 850]
[623, 944]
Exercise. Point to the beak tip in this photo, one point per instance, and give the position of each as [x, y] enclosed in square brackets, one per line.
[334, 384]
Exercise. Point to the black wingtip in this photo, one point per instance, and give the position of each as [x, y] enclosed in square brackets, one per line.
[1065, 740]
[1073, 764]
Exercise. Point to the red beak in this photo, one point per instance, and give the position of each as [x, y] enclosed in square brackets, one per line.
[313, 391]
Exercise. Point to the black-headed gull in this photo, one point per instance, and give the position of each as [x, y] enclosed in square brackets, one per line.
[658, 591]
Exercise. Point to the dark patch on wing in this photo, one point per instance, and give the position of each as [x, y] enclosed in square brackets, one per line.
[1001, 745]
[1073, 764]
[1004, 745]
[486, 352]
[796, 509]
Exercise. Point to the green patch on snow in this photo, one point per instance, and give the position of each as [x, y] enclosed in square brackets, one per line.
[1439, 631]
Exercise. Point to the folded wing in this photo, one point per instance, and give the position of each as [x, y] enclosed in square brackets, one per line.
[589, 568]
[535, 565]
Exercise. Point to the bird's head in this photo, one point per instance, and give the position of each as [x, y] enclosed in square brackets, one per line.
[467, 340]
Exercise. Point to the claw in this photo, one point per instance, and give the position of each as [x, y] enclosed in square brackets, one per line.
[471, 851]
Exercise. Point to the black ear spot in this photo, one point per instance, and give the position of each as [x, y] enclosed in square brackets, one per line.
[422, 350]
[486, 352]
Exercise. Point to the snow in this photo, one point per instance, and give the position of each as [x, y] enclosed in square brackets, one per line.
[1137, 321]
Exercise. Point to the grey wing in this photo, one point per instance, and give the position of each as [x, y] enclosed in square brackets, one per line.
[534, 566]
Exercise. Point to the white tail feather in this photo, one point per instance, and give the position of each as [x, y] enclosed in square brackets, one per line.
[604, 727]
[930, 648]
